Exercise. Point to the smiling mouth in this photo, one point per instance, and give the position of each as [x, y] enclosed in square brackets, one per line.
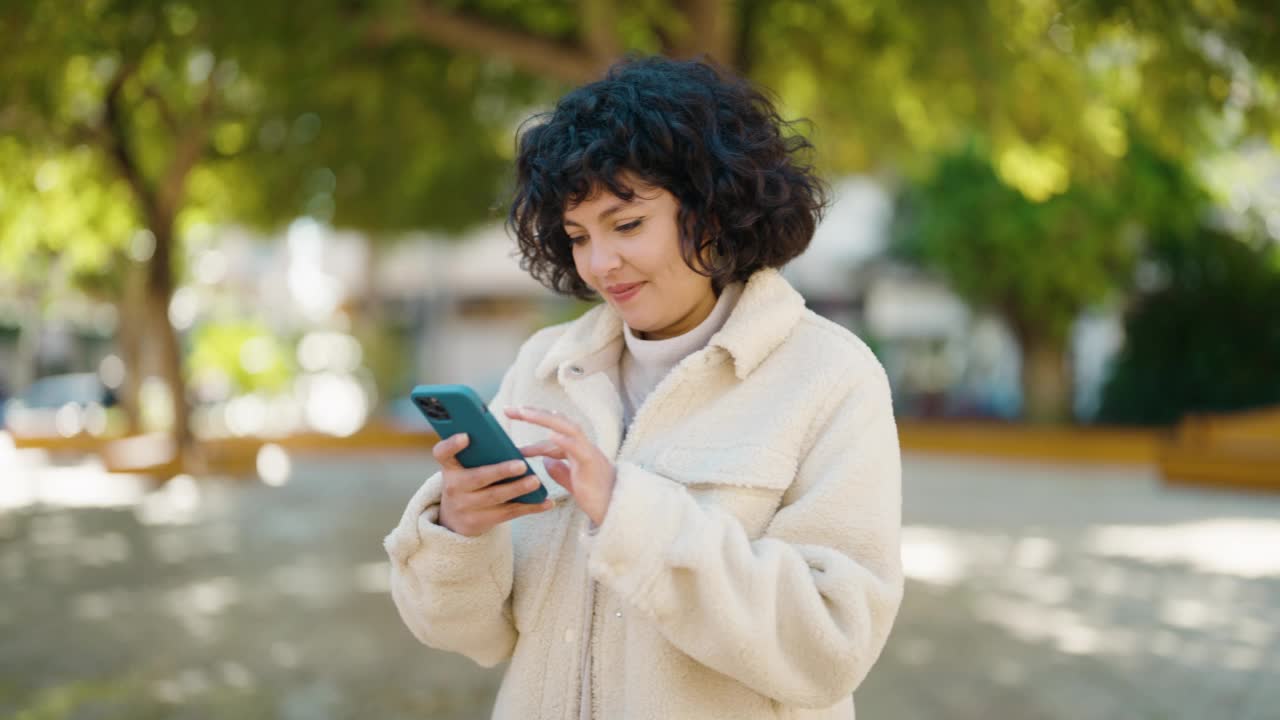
[627, 293]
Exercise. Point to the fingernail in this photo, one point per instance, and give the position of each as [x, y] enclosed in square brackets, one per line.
[515, 466]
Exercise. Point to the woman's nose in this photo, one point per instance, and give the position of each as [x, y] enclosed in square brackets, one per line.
[604, 260]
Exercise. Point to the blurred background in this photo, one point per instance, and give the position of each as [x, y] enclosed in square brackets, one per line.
[234, 234]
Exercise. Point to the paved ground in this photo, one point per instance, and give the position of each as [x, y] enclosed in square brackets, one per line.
[1035, 592]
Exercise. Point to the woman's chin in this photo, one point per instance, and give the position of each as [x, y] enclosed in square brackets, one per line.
[637, 321]
[634, 321]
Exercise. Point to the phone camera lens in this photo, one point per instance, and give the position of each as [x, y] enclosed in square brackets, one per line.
[433, 408]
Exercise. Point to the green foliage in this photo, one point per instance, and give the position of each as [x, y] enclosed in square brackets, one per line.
[1059, 89]
[301, 113]
[1036, 263]
[1206, 339]
[307, 111]
[412, 139]
[244, 355]
[386, 352]
[62, 219]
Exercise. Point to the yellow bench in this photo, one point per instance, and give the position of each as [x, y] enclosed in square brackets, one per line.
[1240, 450]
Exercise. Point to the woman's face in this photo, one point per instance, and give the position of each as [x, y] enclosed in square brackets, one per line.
[629, 252]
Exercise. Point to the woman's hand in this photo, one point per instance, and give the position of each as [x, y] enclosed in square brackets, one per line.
[471, 504]
[573, 461]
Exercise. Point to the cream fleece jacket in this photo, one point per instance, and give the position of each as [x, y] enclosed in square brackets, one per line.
[749, 563]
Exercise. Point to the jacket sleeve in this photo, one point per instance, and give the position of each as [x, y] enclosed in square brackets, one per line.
[802, 613]
[453, 591]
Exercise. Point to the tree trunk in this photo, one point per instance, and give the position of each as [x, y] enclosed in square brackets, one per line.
[159, 293]
[159, 203]
[131, 309]
[1046, 379]
[711, 29]
[27, 346]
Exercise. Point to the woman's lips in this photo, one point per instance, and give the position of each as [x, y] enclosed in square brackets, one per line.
[628, 292]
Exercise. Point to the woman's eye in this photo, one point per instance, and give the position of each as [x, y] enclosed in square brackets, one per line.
[578, 240]
[630, 226]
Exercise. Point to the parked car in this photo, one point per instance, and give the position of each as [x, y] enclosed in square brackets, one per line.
[61, 404]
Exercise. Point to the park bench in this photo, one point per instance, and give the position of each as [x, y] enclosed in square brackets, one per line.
[1239, 450]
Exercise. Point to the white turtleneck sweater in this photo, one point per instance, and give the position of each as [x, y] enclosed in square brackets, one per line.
[645, 362]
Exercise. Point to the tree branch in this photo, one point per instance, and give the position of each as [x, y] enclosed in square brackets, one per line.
[116, 137]
[710, 31]
[163, 106]
[599, 30]
[529, 52]
[82, 134]
[189, 148]
[749, 12]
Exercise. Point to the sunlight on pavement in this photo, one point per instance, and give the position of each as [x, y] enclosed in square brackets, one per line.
[1248, 548]
[1069, 630]
[932, 556]
[1195, 594]
[29, 479]
[176, 503]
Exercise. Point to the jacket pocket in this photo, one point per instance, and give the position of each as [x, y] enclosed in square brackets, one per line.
[746, 481]
[746, 466]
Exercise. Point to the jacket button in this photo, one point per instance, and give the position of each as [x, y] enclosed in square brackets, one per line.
[618, 614]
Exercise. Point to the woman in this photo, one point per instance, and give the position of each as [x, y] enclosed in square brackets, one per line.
[723, 539]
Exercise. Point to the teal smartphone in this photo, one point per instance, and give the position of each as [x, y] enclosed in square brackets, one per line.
[452, 409]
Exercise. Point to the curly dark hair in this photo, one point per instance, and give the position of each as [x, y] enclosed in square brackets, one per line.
[747, 197]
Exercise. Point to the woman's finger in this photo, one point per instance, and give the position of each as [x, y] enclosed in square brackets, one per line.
[546, 419]
[576, 448]
[496, 515]
[511, 511]
[543, 448]
[560, 472]
[445, 451]
[482, 477]
[500, 494]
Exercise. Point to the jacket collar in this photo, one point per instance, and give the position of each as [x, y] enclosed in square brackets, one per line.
[765, 314]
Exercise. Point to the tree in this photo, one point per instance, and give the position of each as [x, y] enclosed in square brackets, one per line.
[206, 112]
[65, 232]
[1039, 264]
[132, 89]
[1202, 335]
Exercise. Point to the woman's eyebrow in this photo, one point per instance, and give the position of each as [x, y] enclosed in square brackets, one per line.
[611, 210]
